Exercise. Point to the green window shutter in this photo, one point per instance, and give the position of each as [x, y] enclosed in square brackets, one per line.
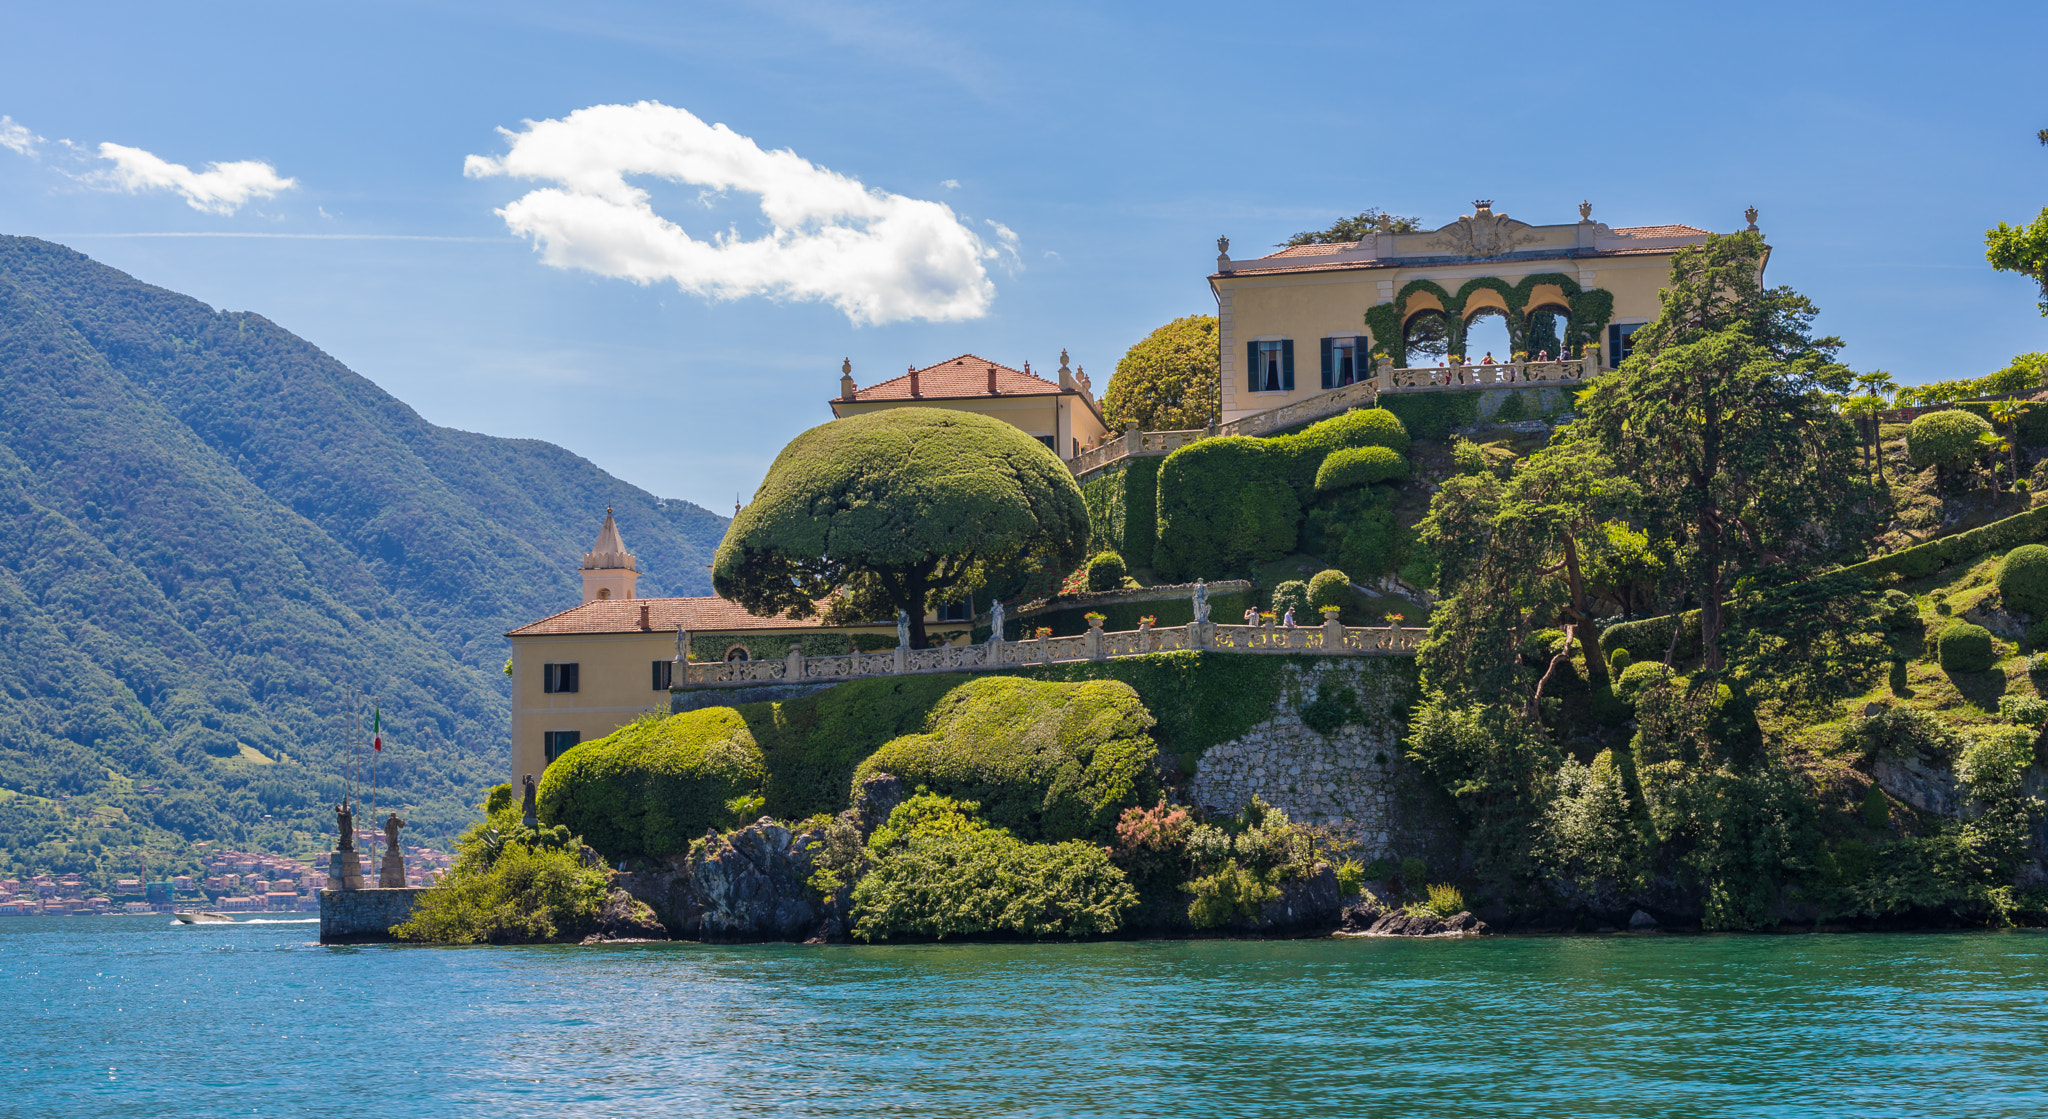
[1329, 367]
[1251, 366]
[1287, 364]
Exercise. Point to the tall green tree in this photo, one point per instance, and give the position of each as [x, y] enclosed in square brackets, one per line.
[914, 499]
[1346, 230]
[1877, 387]
[1722, 415]
[2022, 249]
[1169, 380]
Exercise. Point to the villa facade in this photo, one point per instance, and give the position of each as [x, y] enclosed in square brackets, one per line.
[1312, 318]
[1062, 414]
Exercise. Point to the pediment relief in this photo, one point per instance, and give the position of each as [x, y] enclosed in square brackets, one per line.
[1482, 234]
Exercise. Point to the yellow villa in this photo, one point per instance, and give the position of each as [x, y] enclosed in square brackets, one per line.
[1061, 414]
[1312, 318]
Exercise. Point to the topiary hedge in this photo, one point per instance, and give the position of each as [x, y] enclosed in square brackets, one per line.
[1048, 761]
[1963, 647]
[1359, 466]
[1329, 587]
[1106, 572]
[1123, 508]
[652, 786]
[2023, 579]
[1926, 559]
[1646, 639]
[1433, 415]
[1228, 505]
[1947, 439]
[1291, 594]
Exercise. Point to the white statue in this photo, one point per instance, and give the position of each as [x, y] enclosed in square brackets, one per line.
[995, 621]
[903, 629]
[1201, 602]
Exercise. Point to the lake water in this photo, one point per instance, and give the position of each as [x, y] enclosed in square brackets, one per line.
[134, 1016]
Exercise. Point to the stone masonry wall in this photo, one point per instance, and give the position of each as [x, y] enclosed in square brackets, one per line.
[1354, 780]
[363, 916]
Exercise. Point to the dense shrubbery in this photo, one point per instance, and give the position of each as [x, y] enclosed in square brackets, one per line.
[1359, 466]
[1329, 587]
[1360, 529]
[2023, 579]
[1945, 439]
[510, 884]
[1106, 572]
[1046, 761]
[937, 870]
[1227, 505]
[1963, 647]
[652, 786]
[1291, 594]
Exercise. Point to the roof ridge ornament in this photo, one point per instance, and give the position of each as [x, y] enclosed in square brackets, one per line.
[1750, 215]
[1585, 211]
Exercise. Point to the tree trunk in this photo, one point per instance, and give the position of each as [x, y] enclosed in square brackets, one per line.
[907, 591]
[1589, 633]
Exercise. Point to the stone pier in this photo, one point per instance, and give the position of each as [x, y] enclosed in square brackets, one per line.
[364, 916]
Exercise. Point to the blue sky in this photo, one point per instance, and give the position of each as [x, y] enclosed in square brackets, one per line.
[1086, 157]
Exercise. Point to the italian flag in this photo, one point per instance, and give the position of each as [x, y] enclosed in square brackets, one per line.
[376, 729]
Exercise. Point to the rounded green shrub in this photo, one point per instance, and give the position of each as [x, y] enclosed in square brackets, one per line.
[1963, 647]
[1899, 611]
[652, 786]
[1946, 438]
[1359, 466]
[1329, 587]
[1106, 572]
[2023, 579]
[1291, 595]
[1363, 427]
[1619, 659]
[1639, 678]
[1048, 761]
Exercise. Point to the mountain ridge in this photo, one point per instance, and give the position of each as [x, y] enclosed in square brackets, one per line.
[209, 527]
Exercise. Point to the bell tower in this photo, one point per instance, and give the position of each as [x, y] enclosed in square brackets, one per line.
[608, 569]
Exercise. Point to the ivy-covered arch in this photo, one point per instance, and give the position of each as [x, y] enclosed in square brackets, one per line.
[1589, 310]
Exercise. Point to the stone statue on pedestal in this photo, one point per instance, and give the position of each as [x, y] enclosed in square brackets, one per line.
[903, 629]
[529, 812]
[1201, 602]
[995, 621]
[345, 866]
[391, 874]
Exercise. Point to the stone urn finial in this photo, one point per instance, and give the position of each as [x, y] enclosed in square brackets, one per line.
[1750, 215]
[1585, 211]
[1222, 246]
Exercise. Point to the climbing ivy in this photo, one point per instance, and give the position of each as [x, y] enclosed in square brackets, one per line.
[1589, 309]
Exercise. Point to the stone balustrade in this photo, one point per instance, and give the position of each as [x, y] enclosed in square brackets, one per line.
[1364, 394]
[1332, 638]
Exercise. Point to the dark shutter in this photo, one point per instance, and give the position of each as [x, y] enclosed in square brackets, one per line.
[547, 678]
[662, 675]
[1329, 366]
[1613, 345]
[1287, 364]
[565, 678]
[1251, 366]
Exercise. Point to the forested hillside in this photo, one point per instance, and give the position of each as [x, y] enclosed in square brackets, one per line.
[209, 529]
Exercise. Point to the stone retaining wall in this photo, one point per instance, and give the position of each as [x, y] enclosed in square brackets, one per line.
[1354, 779]
[364, 916]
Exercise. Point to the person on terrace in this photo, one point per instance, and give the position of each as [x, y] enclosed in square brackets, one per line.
[1288, 619]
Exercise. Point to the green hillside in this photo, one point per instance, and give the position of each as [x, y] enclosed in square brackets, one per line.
[209, 529]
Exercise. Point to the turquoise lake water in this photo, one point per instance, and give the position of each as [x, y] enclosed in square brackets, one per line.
[134, 1016]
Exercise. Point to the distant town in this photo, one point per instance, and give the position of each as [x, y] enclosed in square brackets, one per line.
[233, 882]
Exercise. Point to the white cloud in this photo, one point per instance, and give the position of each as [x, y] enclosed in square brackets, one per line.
[17, 138]
[950, 184]
[220, 189]
[877, 257]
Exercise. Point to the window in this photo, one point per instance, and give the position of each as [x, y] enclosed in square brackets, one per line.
[953, 611]
[555, 743]
[663, 674]
[558, 677]
[1342, 364]
[1047, 440]
[1618, 344]
[737, 653]
[1270, 366]
[604, 592]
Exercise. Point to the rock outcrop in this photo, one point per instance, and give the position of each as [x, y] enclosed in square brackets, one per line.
[1369, 918]
[1304, 905]
[625, 919]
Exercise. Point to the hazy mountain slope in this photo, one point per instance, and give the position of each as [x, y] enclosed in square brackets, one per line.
[208, 528]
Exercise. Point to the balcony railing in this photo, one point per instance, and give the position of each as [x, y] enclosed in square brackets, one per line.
[1329, 639]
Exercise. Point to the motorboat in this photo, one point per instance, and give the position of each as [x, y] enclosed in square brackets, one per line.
[202, 917]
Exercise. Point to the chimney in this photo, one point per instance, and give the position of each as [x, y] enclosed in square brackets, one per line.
[913, 382]
[644, 623]
[992, 390]
[846, 379]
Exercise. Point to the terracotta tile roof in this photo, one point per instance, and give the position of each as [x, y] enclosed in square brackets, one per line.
[1313, 250]
[622, 615]
[966, 375]
[1659, 231]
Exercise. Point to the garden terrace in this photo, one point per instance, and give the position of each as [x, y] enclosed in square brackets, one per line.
[1363, 394]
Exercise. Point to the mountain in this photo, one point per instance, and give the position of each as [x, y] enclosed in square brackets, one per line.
[209, 529]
